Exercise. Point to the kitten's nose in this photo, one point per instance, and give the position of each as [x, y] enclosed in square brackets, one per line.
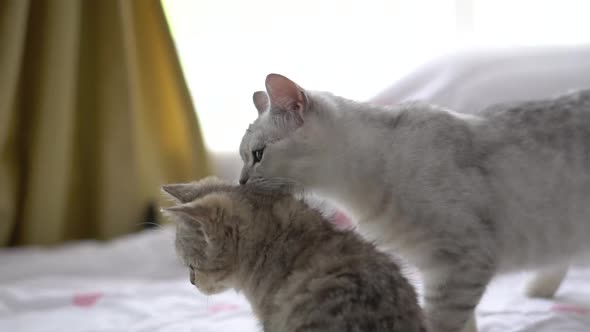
[243, 180]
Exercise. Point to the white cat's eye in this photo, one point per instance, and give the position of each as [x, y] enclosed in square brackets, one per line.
[257, 154]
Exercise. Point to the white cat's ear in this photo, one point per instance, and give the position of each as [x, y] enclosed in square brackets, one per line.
[286, 96]
[261, 101]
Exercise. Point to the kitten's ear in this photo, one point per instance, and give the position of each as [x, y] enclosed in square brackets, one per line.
[180, 192]
[205, 211]
[261, 101]
[189, 213]
[187, 192]
[286, 96]
[197, 217]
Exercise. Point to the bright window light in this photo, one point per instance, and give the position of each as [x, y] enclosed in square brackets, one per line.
[352, 48]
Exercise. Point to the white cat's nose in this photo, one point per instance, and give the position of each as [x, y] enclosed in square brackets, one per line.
[244, 175]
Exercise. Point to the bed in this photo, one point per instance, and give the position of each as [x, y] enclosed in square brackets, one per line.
[136, 283]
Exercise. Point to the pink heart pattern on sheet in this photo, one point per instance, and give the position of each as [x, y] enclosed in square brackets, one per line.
[222, 307]
[86, 299]
[570, 308]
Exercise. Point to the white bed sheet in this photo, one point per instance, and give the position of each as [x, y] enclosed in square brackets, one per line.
[137, 284]
[132, 284]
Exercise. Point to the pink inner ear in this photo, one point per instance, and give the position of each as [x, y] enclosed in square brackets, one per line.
[284, 94]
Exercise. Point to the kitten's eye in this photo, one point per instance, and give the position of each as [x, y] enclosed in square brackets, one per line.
[191, 268]
[257, 154]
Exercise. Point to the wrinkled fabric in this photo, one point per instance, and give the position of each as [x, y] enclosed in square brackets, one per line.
[137, 283]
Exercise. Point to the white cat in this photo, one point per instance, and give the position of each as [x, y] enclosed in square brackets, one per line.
[463, 197]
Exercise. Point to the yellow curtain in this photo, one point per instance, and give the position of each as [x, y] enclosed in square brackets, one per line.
[94, 116]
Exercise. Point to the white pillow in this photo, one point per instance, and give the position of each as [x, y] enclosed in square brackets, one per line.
[469, 81]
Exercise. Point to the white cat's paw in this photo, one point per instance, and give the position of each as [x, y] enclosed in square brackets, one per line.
[540, 290]
[545, 283]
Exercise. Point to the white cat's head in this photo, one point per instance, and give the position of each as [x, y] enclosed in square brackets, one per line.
[288, 140]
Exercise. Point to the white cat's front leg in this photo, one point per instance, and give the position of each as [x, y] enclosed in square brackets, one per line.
[471, 325]
[451, 295]
[546, 282]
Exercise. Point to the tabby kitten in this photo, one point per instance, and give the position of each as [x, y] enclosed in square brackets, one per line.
[461, 197]
[298, 272]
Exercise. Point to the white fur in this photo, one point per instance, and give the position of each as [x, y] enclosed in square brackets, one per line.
[461, 197]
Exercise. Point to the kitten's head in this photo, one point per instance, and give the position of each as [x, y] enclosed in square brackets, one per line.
[284, 142]
[218, 224]
[208, 219]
